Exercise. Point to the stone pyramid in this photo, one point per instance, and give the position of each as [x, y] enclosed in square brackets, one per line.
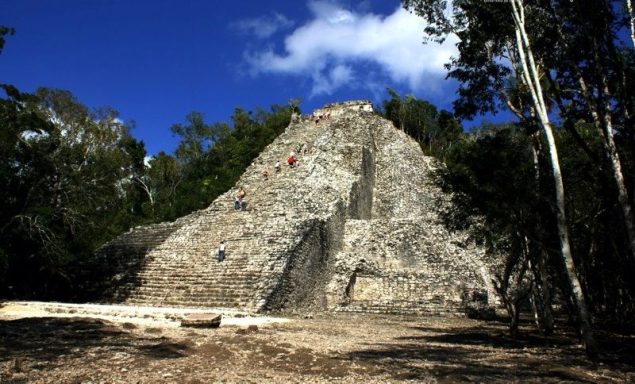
[354, 227]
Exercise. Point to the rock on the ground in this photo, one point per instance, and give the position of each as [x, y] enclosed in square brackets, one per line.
[201, 320]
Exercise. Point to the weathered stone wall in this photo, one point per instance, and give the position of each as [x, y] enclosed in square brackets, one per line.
[301, 286]
[403, 260]
[341, 108]
[361, 198]
[353, 228]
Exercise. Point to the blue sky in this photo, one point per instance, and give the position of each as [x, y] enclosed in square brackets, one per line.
[155, 61]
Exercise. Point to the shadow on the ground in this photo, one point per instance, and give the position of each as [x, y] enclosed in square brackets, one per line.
[418, 362]
[490, 337]
[47, 339]
[164, 349]
[485, 354]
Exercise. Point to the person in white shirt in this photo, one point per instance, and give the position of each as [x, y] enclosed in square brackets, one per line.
[221, 252]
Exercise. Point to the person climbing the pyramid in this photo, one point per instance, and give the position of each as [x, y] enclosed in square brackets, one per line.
[292, 160]
[304, 148]
[221, 251]
[240, 202]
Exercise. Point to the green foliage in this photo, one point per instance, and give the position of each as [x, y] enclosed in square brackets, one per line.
[4, 31]
[485, 30]
[493, 181]
[435, 131]
[595, 221]
[586, 74]
[75, 178]
[503, 198]
[66, 173]
[209, 159]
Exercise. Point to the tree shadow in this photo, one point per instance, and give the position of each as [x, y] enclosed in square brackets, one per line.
[165, 349]
[485, 354]
[491, 337]
[444, 363]
[113, 273]
[47, 339]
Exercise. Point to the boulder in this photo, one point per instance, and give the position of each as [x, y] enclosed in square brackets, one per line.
[201, 320]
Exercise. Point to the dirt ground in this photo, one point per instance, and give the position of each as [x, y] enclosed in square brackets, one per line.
[333, 348]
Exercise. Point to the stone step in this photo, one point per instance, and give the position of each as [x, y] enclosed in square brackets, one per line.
[170, 275]
[205, 270]
[210, 291]
[195, 304]
[411, 308]
[207, 279]
[219, 291]
[202, 272]
[189, 300]
[196, 289]
[160, 296]
[197, 286]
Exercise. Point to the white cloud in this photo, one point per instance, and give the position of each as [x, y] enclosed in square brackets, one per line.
[330, 47]
[337, 76]
[263, 27]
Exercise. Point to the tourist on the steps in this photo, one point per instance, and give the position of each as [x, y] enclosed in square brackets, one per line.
[277, 166]
[221, 252]
[239, 203]
[265, 174]
[292, 161]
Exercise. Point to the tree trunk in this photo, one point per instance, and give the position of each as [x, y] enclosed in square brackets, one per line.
[542, 290]
[611, 149]
[604, 125]
[629, 7]
[546, 295]
[146, 189]
[541, 297]
[529, 72]
[514, 313]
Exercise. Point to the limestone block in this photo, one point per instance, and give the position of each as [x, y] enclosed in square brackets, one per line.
[201, 320]
[368, 289]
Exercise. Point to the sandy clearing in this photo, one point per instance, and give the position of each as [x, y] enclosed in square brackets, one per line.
[150, 316]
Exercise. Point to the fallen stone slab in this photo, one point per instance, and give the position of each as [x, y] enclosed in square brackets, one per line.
[201, 320]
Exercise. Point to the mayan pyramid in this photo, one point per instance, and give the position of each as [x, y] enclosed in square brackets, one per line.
[353, 228]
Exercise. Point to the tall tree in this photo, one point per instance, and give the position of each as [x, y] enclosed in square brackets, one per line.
[631, 17]
[530, 76]
[591, 62]
[435, 131]
[483, 73]
[67, 171]
[209, 159]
